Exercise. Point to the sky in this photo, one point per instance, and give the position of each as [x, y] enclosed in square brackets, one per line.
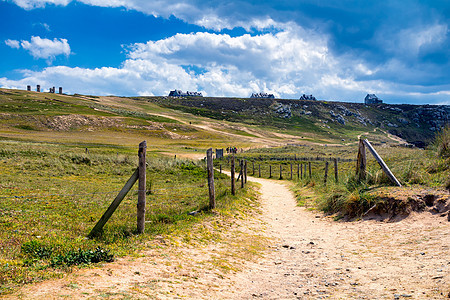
[336, 50]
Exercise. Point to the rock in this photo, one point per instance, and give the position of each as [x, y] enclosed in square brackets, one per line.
[340, 119]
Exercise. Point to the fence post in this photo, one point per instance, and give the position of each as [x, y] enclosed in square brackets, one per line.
[241, 172]
[382, 163]
[270, 171]
[253, 166]
[310, 175]
[220, 169]
[245, 170]
[291, 171]
[142, 186]
[259, 170]
[233, 183]
[301, 171]
[326, 173]
[281, 169]
[336, 170]
[113, 206]
[209, 164]
[361, 161]
[298, 171]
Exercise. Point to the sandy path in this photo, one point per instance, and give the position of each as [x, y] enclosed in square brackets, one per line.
[317, 258]
[309, 257]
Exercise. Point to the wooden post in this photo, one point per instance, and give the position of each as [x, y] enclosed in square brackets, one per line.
[301, 171]
[113, 206]
[233, 183]
[281, 170]
[142, 188]
[291, 171]
[241, 173]
[209, 164]
[253, 166]
[245, 171]
[326, 173]
[298, 171]
[361, 161]
[270, 171]
[382, 163]
[259, 170]
[310, 175]
[336, 170]
[220, 169]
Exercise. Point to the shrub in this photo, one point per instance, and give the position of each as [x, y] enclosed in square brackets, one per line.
[35, 249]
[442, 142]
[77, 257]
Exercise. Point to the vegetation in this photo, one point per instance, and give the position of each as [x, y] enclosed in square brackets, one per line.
[415, 168]
[52, 196]
[442, 142]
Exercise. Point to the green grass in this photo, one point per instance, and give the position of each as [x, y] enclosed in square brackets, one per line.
[52, 195]
[414, 168]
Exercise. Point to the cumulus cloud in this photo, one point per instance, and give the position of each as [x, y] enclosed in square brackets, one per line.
[42, 48]
[217, 16]
[287, 63]
[31, 4]
[13, 44]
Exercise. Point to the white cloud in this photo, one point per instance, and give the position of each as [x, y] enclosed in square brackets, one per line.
[13, 44]
[288, 64]
[413, 41]
[42, 48]
[31, 4]
[220, 16]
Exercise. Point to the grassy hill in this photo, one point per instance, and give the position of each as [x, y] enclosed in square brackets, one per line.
[417, 124]
[177, 123]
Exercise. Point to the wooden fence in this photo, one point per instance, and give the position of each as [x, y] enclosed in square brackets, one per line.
[300, 167]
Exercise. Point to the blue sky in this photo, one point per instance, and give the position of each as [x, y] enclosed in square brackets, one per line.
[336, 50]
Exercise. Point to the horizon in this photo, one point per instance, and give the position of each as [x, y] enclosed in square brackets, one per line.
[338, 50]
[231, 97]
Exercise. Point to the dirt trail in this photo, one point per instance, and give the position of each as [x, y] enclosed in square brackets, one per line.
[309, 257]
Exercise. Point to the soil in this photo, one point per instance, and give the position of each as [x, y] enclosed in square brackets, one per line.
[306, 256]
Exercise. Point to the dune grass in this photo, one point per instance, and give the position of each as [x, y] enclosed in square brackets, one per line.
[52, 195]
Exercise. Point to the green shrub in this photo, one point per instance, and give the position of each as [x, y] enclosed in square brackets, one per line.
[35, 249]
[78, 257]
[442, 142]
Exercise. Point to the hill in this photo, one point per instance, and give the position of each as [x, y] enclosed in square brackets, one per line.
[205, 121]
[417, 124]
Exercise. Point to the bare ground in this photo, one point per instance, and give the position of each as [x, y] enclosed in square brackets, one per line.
[305, 256]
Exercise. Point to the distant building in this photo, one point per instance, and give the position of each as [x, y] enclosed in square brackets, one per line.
[178, 93]
[38, 88]
[29, 88]
[307, 97]
[372, 99]
[262, 95]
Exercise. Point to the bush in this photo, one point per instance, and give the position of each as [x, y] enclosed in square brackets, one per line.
[35, 250]
[442, 142]
[77, 257]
